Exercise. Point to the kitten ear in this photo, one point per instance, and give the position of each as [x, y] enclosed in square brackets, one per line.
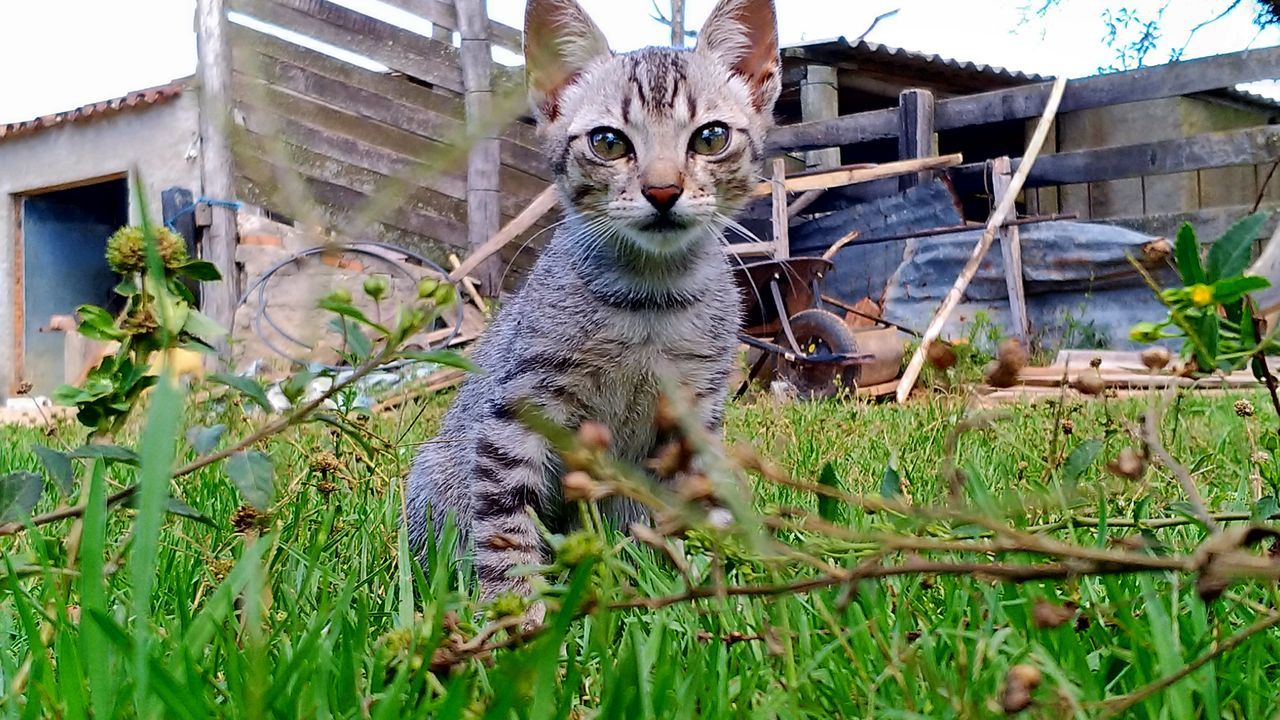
[560, 40]
[743, 34]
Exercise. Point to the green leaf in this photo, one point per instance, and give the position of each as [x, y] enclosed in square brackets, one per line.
[829, 508]
[891, 480]
[1230, 253]
[19, 494]
[1079, 461]
[346, 309]
[248, 387]
[448, 358]
[1186, 253]
[295, 386]
[204, 439]
[125, 288]
[1229, 290]
[97, 324]
[253, 475]
[1265, 509]
[357, 343]
[58, 465]
[174, 507]
[203, 326]
[110, 453]
[201, 270]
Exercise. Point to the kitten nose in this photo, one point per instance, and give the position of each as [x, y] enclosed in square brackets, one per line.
[662, 197]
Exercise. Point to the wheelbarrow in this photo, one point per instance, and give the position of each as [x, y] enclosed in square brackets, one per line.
[800, 342]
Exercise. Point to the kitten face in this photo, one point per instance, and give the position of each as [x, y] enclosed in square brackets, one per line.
[654, 147]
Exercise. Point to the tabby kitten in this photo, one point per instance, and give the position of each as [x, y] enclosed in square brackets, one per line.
[651, 152]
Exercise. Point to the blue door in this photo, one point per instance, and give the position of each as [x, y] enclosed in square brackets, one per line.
[64, 235]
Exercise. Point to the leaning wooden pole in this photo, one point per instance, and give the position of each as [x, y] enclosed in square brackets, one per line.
[484, 161]
[217, 173]
[997, 219]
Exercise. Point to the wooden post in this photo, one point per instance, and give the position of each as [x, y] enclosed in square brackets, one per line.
[915, 132]
[781, 221]
[1011, 250]
[217, 174]
[484, 218]
[820, 100]
[998, 217]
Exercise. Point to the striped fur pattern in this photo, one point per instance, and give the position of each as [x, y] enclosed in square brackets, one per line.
[628, 291]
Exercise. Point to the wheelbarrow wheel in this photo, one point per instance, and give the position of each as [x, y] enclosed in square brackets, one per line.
[818, 332]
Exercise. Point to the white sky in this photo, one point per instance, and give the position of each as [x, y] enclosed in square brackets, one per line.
[59, 54]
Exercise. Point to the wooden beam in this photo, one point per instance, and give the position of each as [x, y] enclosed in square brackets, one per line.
[1253, 146]
[1011, 251]
[1025, 102]
[217, 170]
[484, 160]
[441, 14]
[998, 216]
[820, 100]
[851, 175]
[915, 132]
[538, 207]
[781, 221]
[399, 49]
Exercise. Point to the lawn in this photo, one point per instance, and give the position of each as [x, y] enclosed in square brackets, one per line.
[311, 609]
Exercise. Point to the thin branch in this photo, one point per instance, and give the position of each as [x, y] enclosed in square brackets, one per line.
[1116, 706]
[1151, 438]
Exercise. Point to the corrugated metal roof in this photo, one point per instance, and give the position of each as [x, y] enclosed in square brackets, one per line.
[842, 48]
[136, 99]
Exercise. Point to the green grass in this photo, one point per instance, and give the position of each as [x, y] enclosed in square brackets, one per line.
[321, 614]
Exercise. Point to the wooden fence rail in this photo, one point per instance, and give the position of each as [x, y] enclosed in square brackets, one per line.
[348, 134]
[1025, 102]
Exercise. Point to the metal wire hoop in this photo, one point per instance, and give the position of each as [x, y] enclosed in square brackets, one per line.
[364, 249]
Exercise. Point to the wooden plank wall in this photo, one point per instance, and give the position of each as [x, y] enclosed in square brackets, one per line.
[344, 134]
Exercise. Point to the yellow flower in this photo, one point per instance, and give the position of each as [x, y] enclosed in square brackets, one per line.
[1201, 295]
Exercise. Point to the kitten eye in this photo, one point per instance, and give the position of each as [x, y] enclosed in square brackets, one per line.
[609, 144]
[710, 139]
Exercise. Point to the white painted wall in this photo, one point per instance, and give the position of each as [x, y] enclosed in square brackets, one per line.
[159, 143]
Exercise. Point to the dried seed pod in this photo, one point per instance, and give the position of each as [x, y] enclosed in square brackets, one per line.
[1129, 464]
[941, 355]
[1089, 383]
[594, 436]
[672, 458]
[579, 486]
[1244, 408]
[1156, 358]
[1010, 360]
[1048, 615]
[1019, 683]
[1068, 426]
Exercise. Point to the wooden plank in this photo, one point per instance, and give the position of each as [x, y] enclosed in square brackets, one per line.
[362, 103]
[399, 49]
[820, 100]
[442, 14]
[1022, 103]
[431, 113]
[1003, 211]
[781, 220]
[859, 174]
[483, 161]
[347, 136]
[540, 205]
[1011, 251]
[217, 173]
[1252, 146]
[340, 197]
[390, 169]
[915, 133]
